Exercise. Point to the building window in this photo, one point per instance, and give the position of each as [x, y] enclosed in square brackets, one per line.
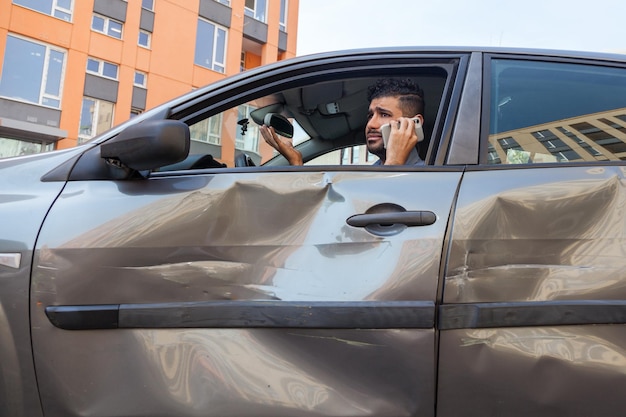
[208, 130]
[242, 61]
[350, 156]
[32, 72]
[247, 139]
[140, 79]
[107, 26]
[282, 24]
[226, 2]
[355, 154]
[61, 9]
[15, 147]
[96, 117]
[135, 112]
[210, 46]
[147, 4]
[144, 38]
[345, 157]
[102, 68]
[256, 9]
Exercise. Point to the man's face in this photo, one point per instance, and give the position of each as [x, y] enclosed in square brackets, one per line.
[382, 110]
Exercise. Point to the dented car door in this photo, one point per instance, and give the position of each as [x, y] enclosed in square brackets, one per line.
[231, 293]
[533, 311]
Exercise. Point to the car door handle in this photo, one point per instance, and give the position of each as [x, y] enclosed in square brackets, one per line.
[406, 218]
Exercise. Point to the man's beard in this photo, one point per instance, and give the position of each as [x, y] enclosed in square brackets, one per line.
[379, 150]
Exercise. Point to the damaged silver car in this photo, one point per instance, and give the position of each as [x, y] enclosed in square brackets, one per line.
[141, 276]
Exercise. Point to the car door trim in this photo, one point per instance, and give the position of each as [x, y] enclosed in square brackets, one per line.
[336, 315]
[247, 314]
[543, 313]
[464, 148]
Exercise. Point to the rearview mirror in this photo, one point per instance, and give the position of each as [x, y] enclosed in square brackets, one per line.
[280, 123]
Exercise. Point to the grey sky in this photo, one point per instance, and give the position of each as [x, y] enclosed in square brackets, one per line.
[326, 25]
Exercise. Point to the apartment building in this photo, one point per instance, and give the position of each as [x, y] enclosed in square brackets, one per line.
[71, 69]
[591, 137]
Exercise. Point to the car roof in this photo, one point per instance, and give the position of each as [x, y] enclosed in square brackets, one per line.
[612, 56]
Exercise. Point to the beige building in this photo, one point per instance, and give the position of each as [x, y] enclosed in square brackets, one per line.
[592, 137]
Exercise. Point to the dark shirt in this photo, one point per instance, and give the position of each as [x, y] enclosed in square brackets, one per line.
[413, 159]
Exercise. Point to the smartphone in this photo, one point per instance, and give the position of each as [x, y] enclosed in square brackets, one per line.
[419, 132]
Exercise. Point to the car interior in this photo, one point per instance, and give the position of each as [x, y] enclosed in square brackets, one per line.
[326, 116]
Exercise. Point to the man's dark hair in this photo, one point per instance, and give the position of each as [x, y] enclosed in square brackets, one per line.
[411, 96]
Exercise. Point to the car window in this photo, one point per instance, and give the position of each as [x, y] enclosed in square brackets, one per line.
[549, 112]
[352, 155]
[235, 131]
[328, 118]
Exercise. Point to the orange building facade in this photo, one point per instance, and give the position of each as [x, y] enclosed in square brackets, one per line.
[72, 69]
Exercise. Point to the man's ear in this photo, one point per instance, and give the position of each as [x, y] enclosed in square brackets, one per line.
[419, 116]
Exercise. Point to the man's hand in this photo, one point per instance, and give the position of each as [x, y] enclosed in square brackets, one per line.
[283, 145]
[402, 140]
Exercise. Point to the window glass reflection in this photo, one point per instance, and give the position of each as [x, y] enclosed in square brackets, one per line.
[556, 112]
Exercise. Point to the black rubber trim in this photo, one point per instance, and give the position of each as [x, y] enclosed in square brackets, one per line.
[247, 314]
[544, 313]
[77, 317]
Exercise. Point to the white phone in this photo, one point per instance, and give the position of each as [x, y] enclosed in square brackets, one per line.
[419, 132]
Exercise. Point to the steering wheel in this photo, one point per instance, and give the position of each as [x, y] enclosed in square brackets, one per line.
[243, 160]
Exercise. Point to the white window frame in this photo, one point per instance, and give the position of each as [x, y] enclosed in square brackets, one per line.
[56, 10]
[282, 23]
[242, 62]
[101, 65]
[355, 155]
[256, 13]
[145, 79]
[107, 30]
[148, 36]
[215, 65]
[16, 147]
[224, 2]
[82, 137]
[213, 139]
[43, 96]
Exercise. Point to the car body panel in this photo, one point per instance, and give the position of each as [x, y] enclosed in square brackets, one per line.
[540, 371]
[543, 240]
[24, 202]
[206, 238]
[573, 249]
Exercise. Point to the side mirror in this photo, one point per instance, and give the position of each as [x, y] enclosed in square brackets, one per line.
[280, 123]
[149, 145]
